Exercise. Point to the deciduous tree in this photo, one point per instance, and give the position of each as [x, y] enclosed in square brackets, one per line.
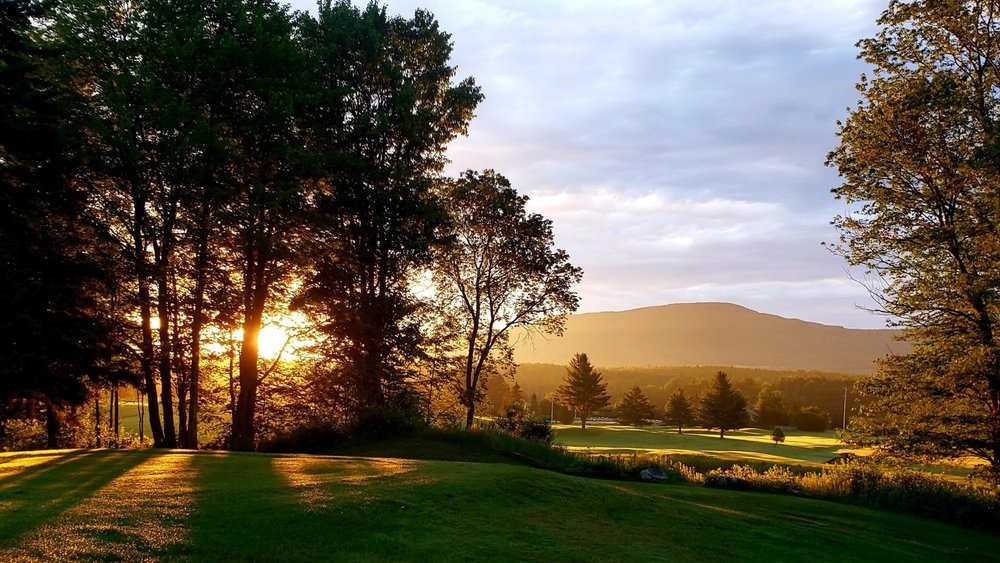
[500, 272]
[770, 411]
[920, 161]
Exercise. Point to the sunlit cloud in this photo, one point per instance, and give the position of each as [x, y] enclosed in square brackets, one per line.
[674, 144]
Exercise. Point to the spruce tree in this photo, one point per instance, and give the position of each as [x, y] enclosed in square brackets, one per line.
[723, 407]
[583, 390]
[635, 409]
[679, 411]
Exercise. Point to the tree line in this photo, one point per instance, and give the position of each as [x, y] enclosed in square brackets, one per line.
[718, 404]
[177, 175]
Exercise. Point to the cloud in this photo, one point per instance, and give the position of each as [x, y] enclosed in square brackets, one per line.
[677, 146]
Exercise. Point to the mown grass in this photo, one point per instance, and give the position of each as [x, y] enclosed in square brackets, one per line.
[204, 506]
[747, 445]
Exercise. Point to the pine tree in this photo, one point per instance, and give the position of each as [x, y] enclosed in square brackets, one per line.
[584, 389]
[635, 409]
[723, 407]
[679, 411]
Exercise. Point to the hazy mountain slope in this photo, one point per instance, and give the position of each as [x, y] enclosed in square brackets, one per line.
[712, 333]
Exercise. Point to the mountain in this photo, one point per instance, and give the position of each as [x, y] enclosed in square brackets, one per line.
[711, 334]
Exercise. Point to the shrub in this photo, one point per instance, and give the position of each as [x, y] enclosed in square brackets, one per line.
[811, 419]
[310, 438]
[516, 422]
[23, 434]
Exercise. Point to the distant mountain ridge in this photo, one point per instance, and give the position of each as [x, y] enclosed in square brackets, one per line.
[712, 334]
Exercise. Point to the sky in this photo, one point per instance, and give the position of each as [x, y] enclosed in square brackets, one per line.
[677, 146]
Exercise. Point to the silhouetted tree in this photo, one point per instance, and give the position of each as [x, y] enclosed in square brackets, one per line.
[679, 411]
[723, 407]
[384, 110]
[778, 435]
[811, 419]
[500, 272]
[634, 408]
[57, 325]
[583, 390]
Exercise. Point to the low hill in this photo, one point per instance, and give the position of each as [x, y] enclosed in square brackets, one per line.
[216, 506]
[712, 333]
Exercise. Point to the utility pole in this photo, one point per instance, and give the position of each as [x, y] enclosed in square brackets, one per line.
[844, 419]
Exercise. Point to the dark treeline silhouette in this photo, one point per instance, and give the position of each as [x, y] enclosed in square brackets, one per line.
[178, 174]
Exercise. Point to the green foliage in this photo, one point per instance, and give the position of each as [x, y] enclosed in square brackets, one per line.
[778, 435]
[583, 390]
[22, 434]
[635, 409]
[517, 421]
[918, 157]
[679, 411]
[499, 272]
[723, 407]
[770, 408]
[811, 419]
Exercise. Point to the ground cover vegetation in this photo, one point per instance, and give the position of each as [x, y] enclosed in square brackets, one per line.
[84, 504]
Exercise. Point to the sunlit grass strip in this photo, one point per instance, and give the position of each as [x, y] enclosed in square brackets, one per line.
[139, 514]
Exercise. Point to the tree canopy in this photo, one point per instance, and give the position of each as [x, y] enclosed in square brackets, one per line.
[499, 271]
[920, 166]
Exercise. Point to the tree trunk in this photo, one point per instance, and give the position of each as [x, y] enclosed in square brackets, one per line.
[145, 311]
[190, 438]
[53, 424]
[97, 419]
[246, 404]
[166, 386]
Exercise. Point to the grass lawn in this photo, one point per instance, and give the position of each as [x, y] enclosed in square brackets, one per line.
[748, 445]
[147, 504]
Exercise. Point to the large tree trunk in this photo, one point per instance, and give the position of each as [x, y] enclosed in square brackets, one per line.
[246, 404]
[53, 424]
[145, 314]
[146, 362]
[166, 386]
[190, 438]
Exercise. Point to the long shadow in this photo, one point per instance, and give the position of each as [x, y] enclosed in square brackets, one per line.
[40, 494]
[15, 470]
[241, 505]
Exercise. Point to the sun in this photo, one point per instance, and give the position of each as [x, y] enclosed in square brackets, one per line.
[271, 340]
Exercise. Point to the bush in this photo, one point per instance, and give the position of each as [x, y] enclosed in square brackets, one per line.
[311, 438]
[516, 422]
[23, 434]
[811, 419]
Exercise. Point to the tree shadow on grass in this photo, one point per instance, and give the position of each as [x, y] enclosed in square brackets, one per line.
[40, 493]
[263, 507]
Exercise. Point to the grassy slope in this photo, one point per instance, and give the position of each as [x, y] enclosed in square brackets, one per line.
[226, 506]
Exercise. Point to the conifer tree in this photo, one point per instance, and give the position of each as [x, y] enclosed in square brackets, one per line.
[679, 411]
[723, 407]
[635, 408]
[584, 389]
